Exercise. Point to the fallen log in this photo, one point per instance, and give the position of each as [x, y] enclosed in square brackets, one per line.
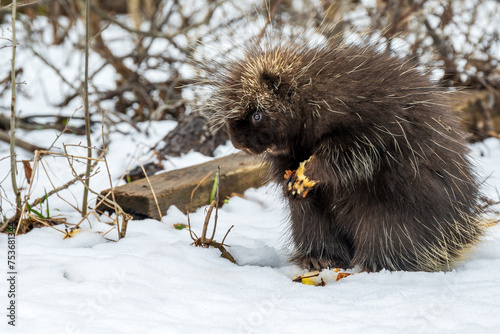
[238, 172]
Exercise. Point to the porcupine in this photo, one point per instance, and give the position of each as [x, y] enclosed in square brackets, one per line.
[370, 156]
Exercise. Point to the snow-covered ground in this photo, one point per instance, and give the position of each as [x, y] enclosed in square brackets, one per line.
[154, 281]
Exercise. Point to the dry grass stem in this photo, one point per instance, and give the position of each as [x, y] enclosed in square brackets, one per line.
[152, 190]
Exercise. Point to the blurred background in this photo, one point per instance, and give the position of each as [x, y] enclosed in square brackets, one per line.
[144, 55]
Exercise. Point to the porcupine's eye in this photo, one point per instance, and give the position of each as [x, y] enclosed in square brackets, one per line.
[256, 117]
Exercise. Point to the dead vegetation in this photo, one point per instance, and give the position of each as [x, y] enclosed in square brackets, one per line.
[203, 241]
[153, 69]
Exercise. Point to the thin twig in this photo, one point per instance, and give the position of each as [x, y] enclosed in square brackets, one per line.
[56, 70]
[40, 200]
[13, 4]
[64, 130]
[70, 155]
[224, 239]
[119, 211]
[191, 232]
[197, 186]
[87, 112]
[13, 167]
[203, 238]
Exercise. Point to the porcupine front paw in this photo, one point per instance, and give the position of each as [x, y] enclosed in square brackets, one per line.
[297, 183]
[313, 263]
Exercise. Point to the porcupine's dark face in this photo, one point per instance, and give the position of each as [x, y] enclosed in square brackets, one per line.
[264, 121]
[252, 132]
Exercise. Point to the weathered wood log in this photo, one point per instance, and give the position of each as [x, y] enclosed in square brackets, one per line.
[238, 172]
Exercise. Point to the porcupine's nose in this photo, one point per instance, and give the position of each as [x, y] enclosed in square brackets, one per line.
[239, 146]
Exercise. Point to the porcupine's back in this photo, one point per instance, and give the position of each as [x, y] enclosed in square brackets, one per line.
[404, 191]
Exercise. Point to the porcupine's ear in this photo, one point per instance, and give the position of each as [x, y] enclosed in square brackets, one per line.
[274, 82]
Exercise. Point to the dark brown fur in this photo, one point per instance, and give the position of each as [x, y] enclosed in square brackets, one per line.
[395, 188]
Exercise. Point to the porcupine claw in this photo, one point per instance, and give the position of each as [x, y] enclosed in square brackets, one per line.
[315, 265]
[291, 180]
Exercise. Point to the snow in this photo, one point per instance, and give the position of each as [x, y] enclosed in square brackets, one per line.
[155, 281]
